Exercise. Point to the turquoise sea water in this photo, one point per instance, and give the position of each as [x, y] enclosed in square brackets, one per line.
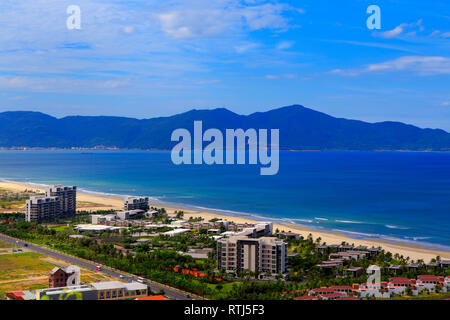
[394, 196]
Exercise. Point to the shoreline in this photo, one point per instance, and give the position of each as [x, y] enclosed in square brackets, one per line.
[91, 201]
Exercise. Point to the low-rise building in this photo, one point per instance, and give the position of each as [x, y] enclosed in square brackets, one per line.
[59, 277]
[116, 290]
[130, 214]
[151, 214]
[289, 235]
[23, 295]
[344, 248]
[398, 285]
[93, 228]
[102, 219]
[199, 253]
[395, 268]
[176, 232]
[354, 272]
[331, 296]
[307, 298]
[81, 292]
[320, 291]
[342, 289]
[105, 290]
[136, 203]
[429, 282]
[412, 267]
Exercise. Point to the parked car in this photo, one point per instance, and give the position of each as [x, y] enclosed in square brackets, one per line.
[98, 268]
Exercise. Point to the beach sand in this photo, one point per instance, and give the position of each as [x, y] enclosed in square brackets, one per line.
[90, 202]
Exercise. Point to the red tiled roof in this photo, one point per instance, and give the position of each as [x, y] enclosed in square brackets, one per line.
[331, 295]
[322, 290]
[398, 278]
[400, 281]
[341, 287]
[428, 277]
[15, 294]
[348, 298]
[306, 298]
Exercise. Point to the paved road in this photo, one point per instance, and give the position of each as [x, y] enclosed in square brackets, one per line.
[168, 292]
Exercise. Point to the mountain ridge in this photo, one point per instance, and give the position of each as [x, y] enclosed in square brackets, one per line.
[301, 128]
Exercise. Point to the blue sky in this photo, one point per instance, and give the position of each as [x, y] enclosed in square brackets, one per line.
[154, 58]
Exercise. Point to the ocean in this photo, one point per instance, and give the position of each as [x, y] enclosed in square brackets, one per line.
[397, 196]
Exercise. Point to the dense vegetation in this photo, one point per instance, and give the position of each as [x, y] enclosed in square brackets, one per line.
[300, 128]
[156, 258]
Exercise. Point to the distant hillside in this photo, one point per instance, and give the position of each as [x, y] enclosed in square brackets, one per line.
[300, 129]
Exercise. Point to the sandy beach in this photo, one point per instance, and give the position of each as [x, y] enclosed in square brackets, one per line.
[92, 202]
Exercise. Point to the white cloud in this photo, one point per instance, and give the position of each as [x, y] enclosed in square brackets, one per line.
[445, 104]
[281, 76]
[128, 29]
[392, 33]
[425, 66]
[193, 23]
[283, 45]
[206, 18]
[245, 47]
[401, 29]
[438, 33]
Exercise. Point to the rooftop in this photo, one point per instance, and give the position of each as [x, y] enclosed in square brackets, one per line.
[21, 295]
[110, 285]
[306, 298]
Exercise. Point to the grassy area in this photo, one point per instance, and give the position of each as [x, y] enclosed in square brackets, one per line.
[5, 245]
[61, 228]
[30, 270]
[23, 265]
[225, 287]
[430, 296]
[14, 200]
[11, 204]
[24, 285]
[87, 204]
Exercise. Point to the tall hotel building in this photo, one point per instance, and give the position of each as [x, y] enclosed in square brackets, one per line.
[42, 208]
[67, 196]
[263, 255]
[58, 200]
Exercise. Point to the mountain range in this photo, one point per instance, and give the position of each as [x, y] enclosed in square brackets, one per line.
[301, 128]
